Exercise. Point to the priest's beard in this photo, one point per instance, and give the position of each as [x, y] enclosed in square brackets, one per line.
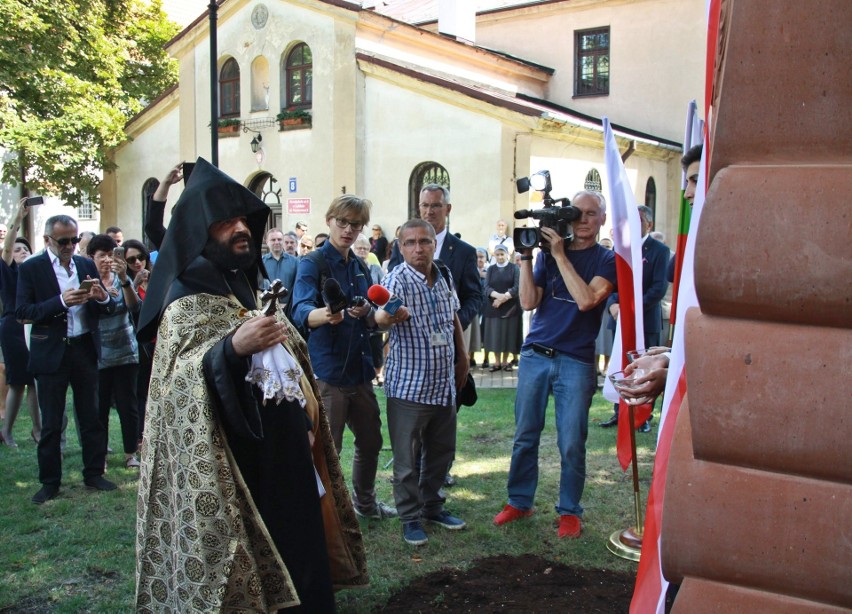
[223, 256]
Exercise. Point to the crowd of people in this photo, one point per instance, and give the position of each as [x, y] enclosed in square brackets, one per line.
[235, 373]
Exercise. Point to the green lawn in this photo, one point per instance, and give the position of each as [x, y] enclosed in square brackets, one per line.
[76, 553]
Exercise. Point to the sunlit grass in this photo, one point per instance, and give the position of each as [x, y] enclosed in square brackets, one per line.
[76, 553]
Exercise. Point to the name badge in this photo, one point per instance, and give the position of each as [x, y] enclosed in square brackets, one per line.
[438, 339]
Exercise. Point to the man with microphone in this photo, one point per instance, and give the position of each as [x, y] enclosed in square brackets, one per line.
[427, 361]
[328, 306]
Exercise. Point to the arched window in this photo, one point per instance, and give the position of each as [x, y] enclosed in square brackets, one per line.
[260, 84]
[298, 78]
[148, 188]
[651, 195]
[424, 174]
[265, 186]
[229, 89]
[593, 181]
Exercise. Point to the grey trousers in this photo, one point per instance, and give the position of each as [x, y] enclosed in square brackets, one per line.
[357, 408]
[416, 428]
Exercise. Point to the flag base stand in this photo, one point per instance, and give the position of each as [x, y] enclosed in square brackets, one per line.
[627, 543]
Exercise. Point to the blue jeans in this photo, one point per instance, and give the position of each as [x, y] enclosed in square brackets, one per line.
[573, 385]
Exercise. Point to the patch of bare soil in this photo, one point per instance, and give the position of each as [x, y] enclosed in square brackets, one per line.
[516, 584]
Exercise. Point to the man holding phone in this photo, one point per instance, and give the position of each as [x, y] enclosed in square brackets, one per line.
[61, 295]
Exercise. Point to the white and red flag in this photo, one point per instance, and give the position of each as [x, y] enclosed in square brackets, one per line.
[630, 329]
[649, 595]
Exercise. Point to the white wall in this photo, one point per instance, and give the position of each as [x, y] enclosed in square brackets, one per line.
[151, 154]
[656, 56]
[405, 128]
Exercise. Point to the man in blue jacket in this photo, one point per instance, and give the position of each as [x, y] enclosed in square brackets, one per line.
[339, 344]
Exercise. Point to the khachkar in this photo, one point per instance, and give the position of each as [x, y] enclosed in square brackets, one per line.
[758, 506]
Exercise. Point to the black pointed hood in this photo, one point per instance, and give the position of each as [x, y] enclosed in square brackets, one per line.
[210, 196]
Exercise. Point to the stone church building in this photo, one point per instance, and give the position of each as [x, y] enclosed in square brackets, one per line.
[379, 100]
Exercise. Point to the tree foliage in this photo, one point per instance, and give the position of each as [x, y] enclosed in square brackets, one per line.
[71, 74]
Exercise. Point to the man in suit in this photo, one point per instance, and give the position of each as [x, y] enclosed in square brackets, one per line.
[655, 260]
[62, 296]
[460, 257]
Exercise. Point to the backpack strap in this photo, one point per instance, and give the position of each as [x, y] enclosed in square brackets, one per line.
[445, 273]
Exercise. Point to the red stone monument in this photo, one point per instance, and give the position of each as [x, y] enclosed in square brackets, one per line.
[758, 506]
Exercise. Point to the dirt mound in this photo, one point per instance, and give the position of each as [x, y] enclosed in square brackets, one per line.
[516, 584]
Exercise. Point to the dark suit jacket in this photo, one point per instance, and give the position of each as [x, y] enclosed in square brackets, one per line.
[655, 260]
[460, 258]
[39, 303]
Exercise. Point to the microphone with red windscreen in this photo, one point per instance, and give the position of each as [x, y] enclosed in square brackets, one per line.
[380, 296]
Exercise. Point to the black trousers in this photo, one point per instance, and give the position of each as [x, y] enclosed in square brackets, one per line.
[120, 380]
[79, 368]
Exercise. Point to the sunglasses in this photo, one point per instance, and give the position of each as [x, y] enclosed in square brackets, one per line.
[135, 259]
[65, 242]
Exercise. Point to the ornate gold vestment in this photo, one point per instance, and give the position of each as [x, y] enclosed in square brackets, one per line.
[201, 544]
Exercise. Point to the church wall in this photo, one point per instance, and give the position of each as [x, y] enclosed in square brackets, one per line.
[321, 158]
[151, 154]
[569, 166]
[405, 128]
[656, 56]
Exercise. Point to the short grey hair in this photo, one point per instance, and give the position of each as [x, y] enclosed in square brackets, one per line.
[64, 220]
[647, 212]
[434, 187]
[596, 195]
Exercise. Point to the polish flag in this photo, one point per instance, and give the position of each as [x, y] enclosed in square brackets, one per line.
[630, 329]
[649, 594]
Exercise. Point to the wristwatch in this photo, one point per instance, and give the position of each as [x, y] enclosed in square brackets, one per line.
[125, 284]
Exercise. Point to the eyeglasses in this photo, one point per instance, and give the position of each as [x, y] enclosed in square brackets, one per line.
[409, 243]
[135, 259]
[376, 229]
[65, 242]
[553, 290]
[432, 206]
[341, 223]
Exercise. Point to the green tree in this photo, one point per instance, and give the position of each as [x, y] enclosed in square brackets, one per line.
[71, 74]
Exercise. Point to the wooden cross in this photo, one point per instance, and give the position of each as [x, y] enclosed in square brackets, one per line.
[276, 291]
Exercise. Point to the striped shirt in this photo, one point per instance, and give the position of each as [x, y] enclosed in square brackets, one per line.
[418, 369]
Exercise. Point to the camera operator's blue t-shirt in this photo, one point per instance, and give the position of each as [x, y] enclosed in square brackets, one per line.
[558, 323]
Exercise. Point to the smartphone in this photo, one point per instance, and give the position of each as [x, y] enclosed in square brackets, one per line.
[34, 200]
[88, 284]
[118, 253]
[187, 171]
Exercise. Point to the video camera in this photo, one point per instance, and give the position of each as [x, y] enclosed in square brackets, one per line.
[557, 213]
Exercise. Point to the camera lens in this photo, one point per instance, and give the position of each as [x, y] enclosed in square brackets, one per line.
[528, 237]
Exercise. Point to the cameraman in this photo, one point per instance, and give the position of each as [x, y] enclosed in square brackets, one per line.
[568, 288]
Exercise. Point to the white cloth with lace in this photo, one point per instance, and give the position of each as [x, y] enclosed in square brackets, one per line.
[277, 374]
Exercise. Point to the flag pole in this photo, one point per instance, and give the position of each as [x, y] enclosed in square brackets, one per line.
[627, 543]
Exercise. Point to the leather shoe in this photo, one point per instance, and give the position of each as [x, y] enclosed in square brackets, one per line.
[46, 493]
[99, 483]
[645, 427]
[611, 422]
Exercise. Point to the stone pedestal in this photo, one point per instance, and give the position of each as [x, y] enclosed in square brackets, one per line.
[758, 507]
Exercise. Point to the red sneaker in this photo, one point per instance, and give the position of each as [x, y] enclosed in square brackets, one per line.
[570, 527]
[510, 514]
